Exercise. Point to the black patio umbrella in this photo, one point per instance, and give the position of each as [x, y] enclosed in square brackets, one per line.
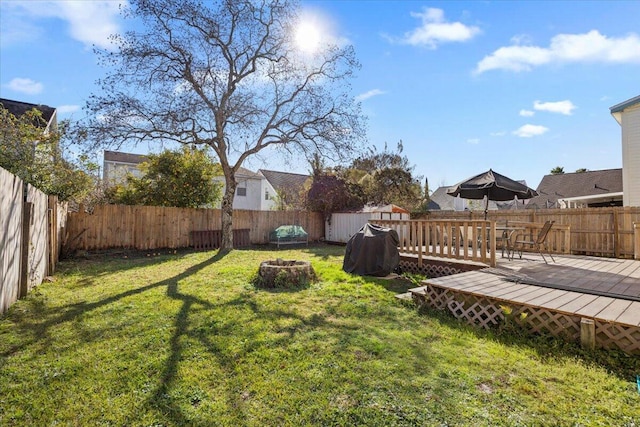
[494, 186]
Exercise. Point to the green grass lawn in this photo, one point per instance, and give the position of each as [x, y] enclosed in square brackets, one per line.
[187, 339]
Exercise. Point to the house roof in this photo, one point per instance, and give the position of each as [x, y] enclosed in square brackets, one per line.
[576, 184]
[120, 157]
[616, 110]
[285, 181]
[440, 200]
[246, 173]
[625, 104]
[18, 108]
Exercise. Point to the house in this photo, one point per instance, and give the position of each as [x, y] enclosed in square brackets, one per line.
[441, 201]
[18, 108]
[579, 189]
[289, 189]
[253, 191]
[117, 165]
[48, 123]
[261, 191]
[627, 114]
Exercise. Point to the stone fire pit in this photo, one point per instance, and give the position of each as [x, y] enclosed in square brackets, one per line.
[281, 273]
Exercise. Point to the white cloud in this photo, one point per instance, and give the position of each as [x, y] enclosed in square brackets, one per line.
[564, 48]
[514, 58]
[436, 30]
[369, 94]
[473, 141]
[527, 131]
[501, 133]
[527, 113]
[14, 27]
[27, 86]
[90, 22]
[562, 107]
[65, 109]
[521, 39]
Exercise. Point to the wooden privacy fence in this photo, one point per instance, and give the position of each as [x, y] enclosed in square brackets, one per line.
[610, 231]
[31, 224]
[151, 227]
[212, 239]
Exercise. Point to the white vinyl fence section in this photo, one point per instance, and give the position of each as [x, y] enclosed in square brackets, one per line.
[344, 225]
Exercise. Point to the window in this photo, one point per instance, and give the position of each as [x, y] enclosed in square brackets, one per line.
[241, 191]
[266, 194]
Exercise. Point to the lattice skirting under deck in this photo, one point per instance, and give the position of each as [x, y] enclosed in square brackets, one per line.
[429, 270]
[615, 335]
[488, 312]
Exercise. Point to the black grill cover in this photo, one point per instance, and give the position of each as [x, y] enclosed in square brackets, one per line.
[372, 251]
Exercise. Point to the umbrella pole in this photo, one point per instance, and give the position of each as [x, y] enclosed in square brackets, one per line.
[486, 207]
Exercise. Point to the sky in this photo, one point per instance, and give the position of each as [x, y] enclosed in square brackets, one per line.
[519, 87]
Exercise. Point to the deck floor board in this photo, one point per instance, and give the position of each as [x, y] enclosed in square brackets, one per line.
[616, 282]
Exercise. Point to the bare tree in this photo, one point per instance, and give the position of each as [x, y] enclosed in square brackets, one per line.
[226, 74]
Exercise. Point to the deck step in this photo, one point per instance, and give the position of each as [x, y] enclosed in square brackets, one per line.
[407, 296]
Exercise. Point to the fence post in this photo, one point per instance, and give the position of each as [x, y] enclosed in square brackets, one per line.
[587, 333]
[24, 249]
[616, 239]
[420, 227]
[493, 244]
[52, 238]
[636, 240]
[567, 240]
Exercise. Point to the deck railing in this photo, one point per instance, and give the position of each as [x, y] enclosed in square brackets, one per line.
[472, 240]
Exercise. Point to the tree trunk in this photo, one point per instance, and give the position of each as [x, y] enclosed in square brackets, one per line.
[227, 213]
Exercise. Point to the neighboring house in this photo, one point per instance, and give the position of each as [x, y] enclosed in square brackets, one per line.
[253, 191]
[18, 108]
[258, 191]
[117, 165]
[627, 114]
[287, 190]
[579, 189]
[49, 123]
[441, 201]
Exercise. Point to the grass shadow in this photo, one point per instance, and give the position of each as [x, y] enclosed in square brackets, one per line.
[545, 346]
[69, 312]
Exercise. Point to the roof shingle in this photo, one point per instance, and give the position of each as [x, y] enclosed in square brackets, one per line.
[576, 184]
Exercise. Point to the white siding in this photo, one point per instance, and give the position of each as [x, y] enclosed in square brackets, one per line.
[459, 204]
[254, 199]
[116, 173]
[267, 198]
[631, 156]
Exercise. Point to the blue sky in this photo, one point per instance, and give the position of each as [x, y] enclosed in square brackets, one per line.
[520, 87]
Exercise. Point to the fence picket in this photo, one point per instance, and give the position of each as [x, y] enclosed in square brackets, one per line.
[149, 227]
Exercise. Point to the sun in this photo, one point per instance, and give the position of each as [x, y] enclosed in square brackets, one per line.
[307, 36]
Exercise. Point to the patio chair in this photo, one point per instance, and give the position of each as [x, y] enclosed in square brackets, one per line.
[539, 243]
[503, 240]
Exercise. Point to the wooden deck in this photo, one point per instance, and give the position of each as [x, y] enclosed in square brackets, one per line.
[574, 297]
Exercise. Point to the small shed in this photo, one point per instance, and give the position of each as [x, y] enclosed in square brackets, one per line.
[343, 225]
